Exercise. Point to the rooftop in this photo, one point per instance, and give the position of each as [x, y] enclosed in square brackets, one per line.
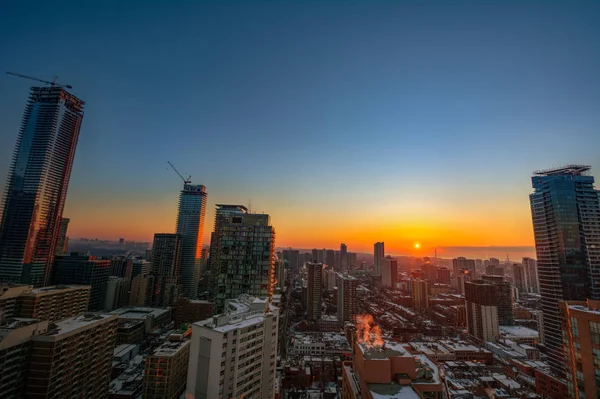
[519, 332]
[139, 312]
[576, 170]
[389, 349]
[170, 348]
[63, 328]
[392, 391]
[58, 288]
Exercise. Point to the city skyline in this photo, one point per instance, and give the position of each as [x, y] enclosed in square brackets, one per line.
[412, 136]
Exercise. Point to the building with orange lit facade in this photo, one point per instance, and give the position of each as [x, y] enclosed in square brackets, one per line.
[391, 371]
[581, 338]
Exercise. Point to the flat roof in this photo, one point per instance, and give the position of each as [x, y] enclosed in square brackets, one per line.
[519, 331]
[139, 312]
[170, 348]
[57, 288]
[392, 390]
[72, 325]
[390, 349]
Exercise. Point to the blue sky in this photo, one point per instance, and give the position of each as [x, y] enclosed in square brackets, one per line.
[330, 116]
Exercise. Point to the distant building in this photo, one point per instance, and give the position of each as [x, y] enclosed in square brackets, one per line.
[519, 277]
[234, 272]
[461, 263]
[190, 226]
[166, 368]
[531, 275]
[36, 189]
[443, 274]
[420, 294]
[494, 270]
[314, 290]
[292, 256]
[482, 310]
[503, 293]
[234, 354]
[140, 267]
[83, 269]
[62, 245]
[330, 258]
[86, 373]
[166, 263]
[347, 305]
[117, 293]
[191, 311]
[378, 255]
[344, 266]
[389, 272]
[581, 324]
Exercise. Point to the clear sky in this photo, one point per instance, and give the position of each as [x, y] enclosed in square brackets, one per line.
[368, 121]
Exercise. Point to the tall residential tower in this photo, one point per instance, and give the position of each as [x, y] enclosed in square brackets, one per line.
[565, 209]
[378, 255]
[37, 185]
[190, 226]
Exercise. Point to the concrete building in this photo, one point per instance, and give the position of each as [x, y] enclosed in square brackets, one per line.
[389, 272]
[73, 358]
[191, 311]
[344, 258]
[461, 263]
[117, 293]
[55, 303]
[234, 354]
[531, 275]
[504, 299]
[62, 245]
[420, 294]
[142, 290]
[190, 226]
[152, 318]
[390, 371]
[443, 275]
[314, 273]
[347, 302]
[166, 269]
[482, 310]
[581, 322]
[83, 269]
[330, 258]
[565, 210]
[519, 277]
[166, 368]
[36, 188]
[15, 348]
[378, 255]
[242, 255]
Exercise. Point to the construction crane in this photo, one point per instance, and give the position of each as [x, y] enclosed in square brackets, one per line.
[185, 181]
[52, 84]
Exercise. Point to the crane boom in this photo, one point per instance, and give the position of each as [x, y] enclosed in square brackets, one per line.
[53, 83]
[185, 181]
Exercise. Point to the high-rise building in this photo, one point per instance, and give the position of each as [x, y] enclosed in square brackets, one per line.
[347, 302]
[378, 255]
[139, 267]
[242, 255]
[420, 294]
[565, 209]
[389, 272]
[15, 348]
[142, 290]
[504, 299]
[581, 335]
[191, 311]
[482, 310]
[519, 277]
[344, 266]
[166, 368]
[234, 354]
[62, 244]
[494, 270]
[83, 269]
[37, 185]
[494, 261]
[330, 258]
[292, 256]
[85, 373]
[314, 290]
[531, 275]
[443, 275]
[190, 226]
[166, 262]
[352, 260]
[117, 293]
[461, 263]
[55, 303]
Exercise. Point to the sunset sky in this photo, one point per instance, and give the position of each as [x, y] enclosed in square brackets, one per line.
[374, 121]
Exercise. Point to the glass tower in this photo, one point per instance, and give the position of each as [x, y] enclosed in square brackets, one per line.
[565, 210]
[37, 185]
[190, 226]
[242, 255]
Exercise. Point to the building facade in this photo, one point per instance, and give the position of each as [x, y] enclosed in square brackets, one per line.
[166, 368]
[565, 210]
[347, 305]
[234, 354]
[531, 275]
[482, 310]
[62, 245]
[37, 185]
[166, 262]
[314, 273]
[190, 226]
[82, 269]
[378, 255]
[420, 294]
[117, 293]
[389, 272]
[504, 299]
[55, 303]
[242, 255]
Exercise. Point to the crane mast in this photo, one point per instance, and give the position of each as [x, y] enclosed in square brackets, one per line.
[52, 84]
[185, 181]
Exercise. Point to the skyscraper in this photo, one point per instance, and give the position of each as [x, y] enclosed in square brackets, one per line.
[503, 294]
[315, 290]
[565, 209]
[389, 272]
[242, 255]
[461, 263]
[347, 305]
[519, 277]
[330, 258]
[482, 310]
[166, 262]
[378, 255]
[62, 244]
[343, 258]
[190, 226]
[531, 275]
[420, 294]
[37, 185]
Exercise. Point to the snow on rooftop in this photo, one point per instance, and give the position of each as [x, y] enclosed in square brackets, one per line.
[519, 331]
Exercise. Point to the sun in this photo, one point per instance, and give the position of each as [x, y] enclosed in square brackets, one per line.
[417, 245]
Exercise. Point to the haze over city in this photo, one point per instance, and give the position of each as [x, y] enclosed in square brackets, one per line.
[346, 123]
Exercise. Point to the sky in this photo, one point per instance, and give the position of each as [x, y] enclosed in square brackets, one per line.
[354, 122]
